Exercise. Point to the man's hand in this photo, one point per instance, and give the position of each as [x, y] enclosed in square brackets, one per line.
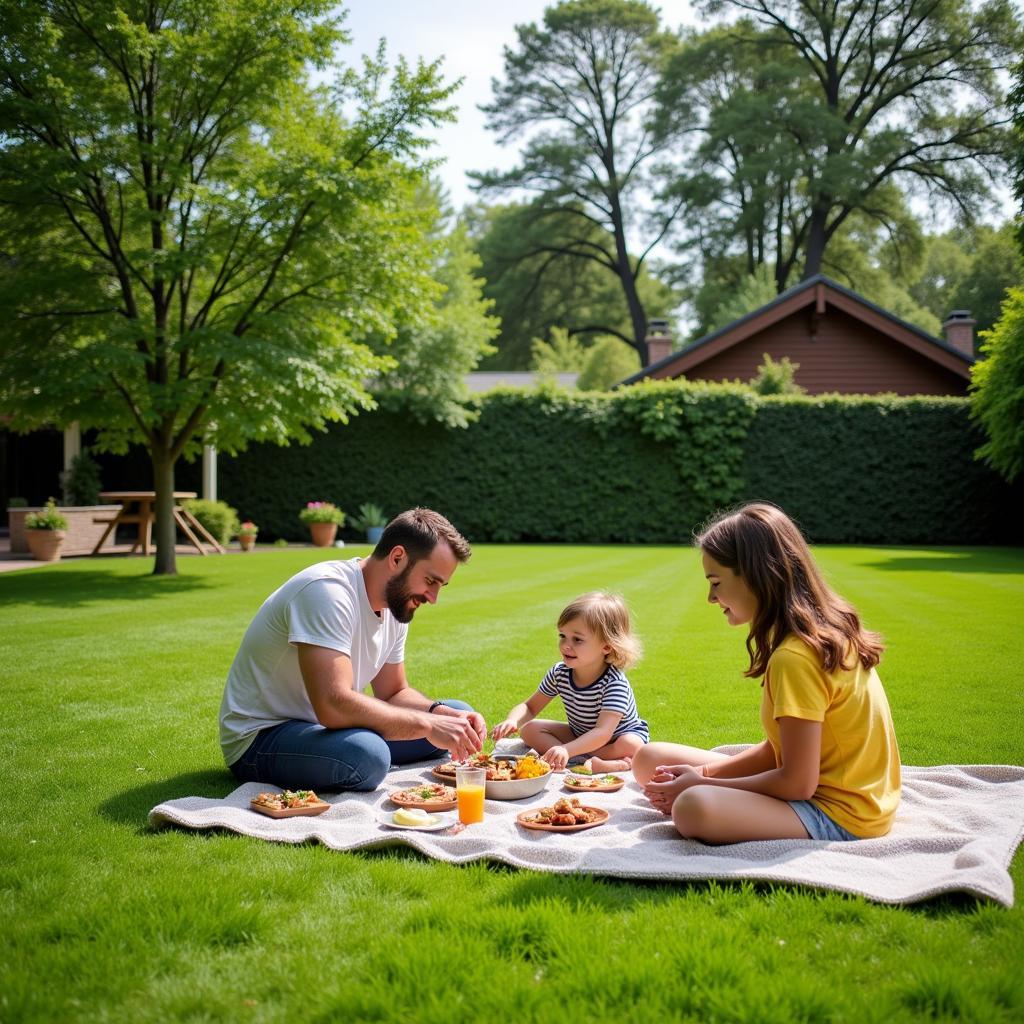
[669, 781]
[461, 733]
[557, 757]
[475, 719]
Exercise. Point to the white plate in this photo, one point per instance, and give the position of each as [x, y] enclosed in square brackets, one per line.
[443, 821]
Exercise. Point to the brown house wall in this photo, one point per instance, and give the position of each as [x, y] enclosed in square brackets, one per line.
[845, 356]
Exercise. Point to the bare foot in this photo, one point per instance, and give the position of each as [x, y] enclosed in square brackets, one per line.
[599, 765]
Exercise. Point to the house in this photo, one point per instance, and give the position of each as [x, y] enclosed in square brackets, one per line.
[841, 341]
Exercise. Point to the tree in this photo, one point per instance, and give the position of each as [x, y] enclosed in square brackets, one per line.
[996, 266]
[195, 237]
[443, 343]
[587, 76]
[905, 93]
[776, 377]
[997, 389]
[754, 291]
[562, 354]
[535, 289]
[730, 99]
[1017, 103]
[608, 362]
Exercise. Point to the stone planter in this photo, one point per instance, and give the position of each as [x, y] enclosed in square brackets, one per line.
[45, 545]
[82, 532]
[323, 534]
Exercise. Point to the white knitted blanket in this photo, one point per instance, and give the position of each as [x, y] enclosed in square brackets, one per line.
[956, 831]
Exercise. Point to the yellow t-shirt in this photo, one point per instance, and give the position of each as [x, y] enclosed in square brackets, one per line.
[859, 782]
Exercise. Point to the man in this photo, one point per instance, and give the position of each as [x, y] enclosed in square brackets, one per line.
[296, 712]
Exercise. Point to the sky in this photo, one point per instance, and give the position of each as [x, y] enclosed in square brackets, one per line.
[469, 35]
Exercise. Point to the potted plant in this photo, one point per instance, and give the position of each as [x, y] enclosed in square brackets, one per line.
[45, 531]
[323, 519]
[247, 535]
[371, 520]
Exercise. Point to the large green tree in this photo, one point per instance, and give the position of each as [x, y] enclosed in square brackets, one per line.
[435, 351]
[195, 237]
[803, 114]
[997, 389]
[535, 288]
[580, 87]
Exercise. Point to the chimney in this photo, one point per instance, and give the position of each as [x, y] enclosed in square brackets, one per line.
[659, 341]
[959, 328]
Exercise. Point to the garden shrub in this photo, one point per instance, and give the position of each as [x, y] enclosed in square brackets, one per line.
[218, 517]
[82, 481]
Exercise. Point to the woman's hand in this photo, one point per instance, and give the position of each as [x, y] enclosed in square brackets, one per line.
[668, 781]
[557, 757]
[503, 729]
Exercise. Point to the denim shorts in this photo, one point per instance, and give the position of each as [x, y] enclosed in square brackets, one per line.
[818, 824]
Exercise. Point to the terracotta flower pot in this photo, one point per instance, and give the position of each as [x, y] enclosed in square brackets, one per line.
[45, 545]
[247, 541]
[323, 534]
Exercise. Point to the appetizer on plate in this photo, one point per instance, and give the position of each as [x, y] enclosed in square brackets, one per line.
[567, 815]
[428, 797]
[595, 783]
[289, 803]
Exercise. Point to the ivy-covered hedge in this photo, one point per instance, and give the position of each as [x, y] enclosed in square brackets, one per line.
[885, 470]
[646, 465]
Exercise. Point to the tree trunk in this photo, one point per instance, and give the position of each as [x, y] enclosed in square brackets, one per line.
[816, 240]
[166, 563]
[637, 315]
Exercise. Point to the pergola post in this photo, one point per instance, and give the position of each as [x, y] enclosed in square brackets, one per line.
[209, 472]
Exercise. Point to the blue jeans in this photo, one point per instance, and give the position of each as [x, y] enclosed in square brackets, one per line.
[305, 755]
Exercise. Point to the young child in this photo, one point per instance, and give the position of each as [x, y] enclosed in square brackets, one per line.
[829, 766]
[596, 645]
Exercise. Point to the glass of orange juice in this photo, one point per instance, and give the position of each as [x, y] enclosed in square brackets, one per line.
[469, 788]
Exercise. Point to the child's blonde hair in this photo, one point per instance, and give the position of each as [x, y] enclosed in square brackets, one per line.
[607, 617]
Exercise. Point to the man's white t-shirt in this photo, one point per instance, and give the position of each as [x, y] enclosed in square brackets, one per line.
[325, 605]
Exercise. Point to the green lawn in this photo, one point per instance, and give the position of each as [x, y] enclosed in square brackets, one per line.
[111, 680]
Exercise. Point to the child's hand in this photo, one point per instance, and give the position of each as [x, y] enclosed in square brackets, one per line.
[557, 757]
[503, 729]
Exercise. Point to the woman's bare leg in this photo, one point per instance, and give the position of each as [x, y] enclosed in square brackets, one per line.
[716, 814]
[653, 754]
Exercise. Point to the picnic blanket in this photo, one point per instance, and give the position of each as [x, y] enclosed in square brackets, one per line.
[956, 831]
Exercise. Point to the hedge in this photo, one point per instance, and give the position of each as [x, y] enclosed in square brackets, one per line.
[645, 465]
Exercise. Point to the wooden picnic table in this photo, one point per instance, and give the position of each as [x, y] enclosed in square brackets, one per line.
[137, 508]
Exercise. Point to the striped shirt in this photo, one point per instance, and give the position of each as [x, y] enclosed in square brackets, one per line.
[609, 692]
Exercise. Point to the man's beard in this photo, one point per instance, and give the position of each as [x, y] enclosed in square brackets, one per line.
[399, 596]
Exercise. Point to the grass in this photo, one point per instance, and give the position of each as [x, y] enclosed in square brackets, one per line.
[111, 684]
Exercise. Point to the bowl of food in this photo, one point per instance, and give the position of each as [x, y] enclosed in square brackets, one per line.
[509, 776]
[514, 776]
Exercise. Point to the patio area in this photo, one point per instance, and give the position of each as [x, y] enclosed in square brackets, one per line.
[11, 560]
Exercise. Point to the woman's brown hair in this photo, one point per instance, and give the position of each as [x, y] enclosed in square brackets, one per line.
[763, 545]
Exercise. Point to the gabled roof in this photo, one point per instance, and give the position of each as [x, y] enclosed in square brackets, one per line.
[820, 291]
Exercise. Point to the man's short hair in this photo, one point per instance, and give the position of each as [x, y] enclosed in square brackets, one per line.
[419, 531]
